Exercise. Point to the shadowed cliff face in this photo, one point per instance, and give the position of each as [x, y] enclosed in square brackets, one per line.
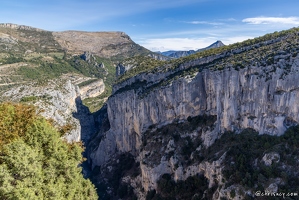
[86, 120]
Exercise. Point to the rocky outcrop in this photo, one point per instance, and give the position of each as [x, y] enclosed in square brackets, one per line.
[270, 158]
[93, 89]
[5, 38]
[121, 68]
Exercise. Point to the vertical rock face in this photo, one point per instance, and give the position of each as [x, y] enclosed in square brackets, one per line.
[256, 96]
[240, 99]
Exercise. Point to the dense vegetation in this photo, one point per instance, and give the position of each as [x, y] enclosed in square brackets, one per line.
[35, 163]
[244, 163]
[192, 188]
[109, 179]
[45, 70]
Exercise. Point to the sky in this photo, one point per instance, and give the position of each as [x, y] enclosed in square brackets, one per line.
[159, 25]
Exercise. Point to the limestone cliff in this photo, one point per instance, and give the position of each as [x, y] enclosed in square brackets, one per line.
[250, 87]
[60, 101]
[92, 90]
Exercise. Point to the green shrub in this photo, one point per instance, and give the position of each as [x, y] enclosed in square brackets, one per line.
[35, 163]
[28, 98]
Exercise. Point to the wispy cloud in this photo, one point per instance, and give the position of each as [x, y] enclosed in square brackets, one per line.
[229, 19]
[216, 22]
[204, 22]
[272, 20]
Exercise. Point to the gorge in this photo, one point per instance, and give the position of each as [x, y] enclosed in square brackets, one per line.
[218, 124]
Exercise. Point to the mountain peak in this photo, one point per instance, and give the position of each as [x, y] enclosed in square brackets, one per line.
[178, 54]
[216, 44]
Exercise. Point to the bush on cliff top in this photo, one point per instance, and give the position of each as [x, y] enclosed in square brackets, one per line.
[34, 162]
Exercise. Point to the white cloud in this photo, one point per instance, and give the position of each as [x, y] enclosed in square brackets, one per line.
[202, 37]
[185, 44]
[272, 20]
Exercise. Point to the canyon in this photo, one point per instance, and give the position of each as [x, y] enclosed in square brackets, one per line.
[179, 122]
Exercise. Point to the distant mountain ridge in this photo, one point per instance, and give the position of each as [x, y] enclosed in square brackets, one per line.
[105, 44]
[178, 54]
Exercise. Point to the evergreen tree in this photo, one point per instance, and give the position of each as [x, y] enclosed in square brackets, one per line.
[35, 163]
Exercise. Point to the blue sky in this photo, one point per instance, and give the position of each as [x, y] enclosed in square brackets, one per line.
[159, 24]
